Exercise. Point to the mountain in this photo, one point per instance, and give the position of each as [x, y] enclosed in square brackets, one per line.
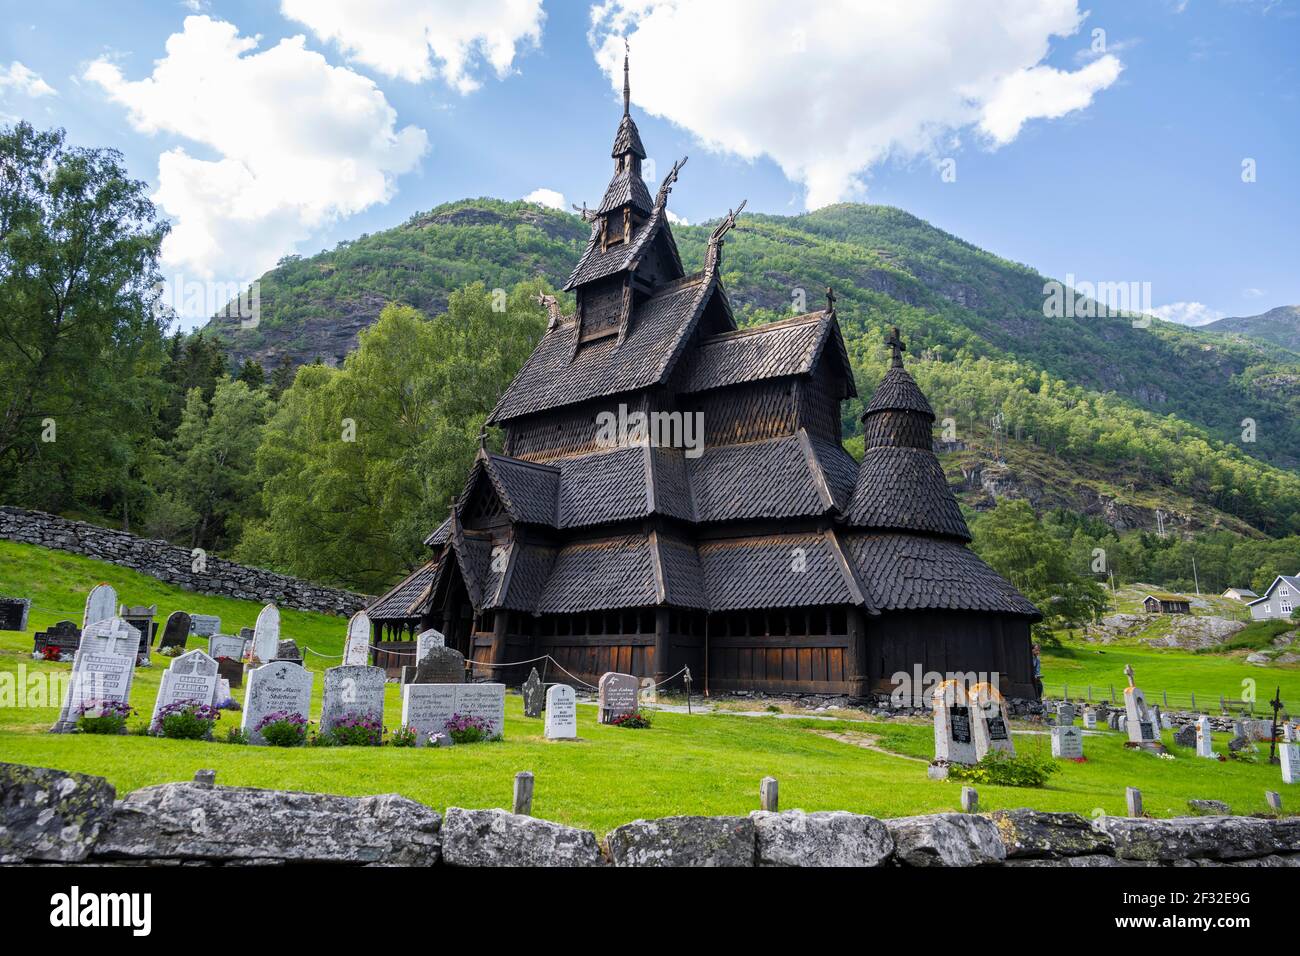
[1280, 326]
[1086, 411]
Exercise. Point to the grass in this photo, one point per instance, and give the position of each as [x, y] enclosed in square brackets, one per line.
[705, 763]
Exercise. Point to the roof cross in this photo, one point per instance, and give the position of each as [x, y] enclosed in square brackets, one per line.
[830, 299]
[895, 343]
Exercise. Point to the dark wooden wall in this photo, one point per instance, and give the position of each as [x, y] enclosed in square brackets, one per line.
[950, 642]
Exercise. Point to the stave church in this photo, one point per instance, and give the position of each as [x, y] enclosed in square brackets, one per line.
[748, 546]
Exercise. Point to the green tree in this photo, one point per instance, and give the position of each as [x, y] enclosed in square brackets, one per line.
[359, 464]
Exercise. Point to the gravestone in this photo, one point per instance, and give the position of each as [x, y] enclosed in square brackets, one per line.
[1112, 719]
[192, 676]
[176, 632]
[616, 695]
[247, 634]
[223, 645]
[223, 691]
[953, 738]
[990, 724]
[1204, 742]
[205, 625]
[426, 641]
[441, 665]
[102, 670]
[1064, 714]
[287, 650]
[561, 713]
[1166, 722]
[357, 649]
[278, 686]
[1067, 742]
[1289, 751]
[65, 636]
[1090, 719]
[101, 604]
[141, 618]
[352, 689]
[1186, 736]
[266, 633]
[487, 701]
[1140, 722]
[534, 694]
[426, 708]
[13, 613]
[231, 669]
[649, 692]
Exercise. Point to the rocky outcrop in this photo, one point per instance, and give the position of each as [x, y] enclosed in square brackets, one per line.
[830, 838]
[179, 566]
[499, 838]
[185, 821]
[50, 815]
[1191, 632]
[946, 839]
[683, 841]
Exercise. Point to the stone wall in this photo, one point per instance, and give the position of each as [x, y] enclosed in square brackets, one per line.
[174, 565]
[54, 817]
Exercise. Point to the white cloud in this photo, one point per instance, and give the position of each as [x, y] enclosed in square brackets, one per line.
[420, 39]
[677, 220]
[298, 144]
[1187, 313]
[22, 80]
[547, 197]
[829, 90]
[1253, 293]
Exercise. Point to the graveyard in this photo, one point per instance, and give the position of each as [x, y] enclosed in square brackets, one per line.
[709, 761]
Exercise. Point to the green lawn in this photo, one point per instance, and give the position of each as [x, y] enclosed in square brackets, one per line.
[685, 764]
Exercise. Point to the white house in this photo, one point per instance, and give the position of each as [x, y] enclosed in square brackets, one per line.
[1245, 595]
[1279, 599]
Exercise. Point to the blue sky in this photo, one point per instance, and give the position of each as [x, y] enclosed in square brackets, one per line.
[1112, 158]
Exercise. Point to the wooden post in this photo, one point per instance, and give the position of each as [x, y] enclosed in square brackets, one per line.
[662, 643]
[1274, 800]
[855, 663]
[970, 800]
[523, 804]
[767, 794]
[1133, 800]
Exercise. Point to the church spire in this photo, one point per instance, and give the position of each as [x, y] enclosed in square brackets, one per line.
[627, 86]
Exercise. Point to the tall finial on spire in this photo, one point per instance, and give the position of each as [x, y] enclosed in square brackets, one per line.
[895, 343]
[627, 86]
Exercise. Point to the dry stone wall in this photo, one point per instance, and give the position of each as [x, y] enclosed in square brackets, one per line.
[166, 562]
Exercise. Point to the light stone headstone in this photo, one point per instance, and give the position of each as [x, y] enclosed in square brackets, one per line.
[426, 641]
[266, 634]
[278, 686]
[223, 691]
[561, 713]
[1289, 751]
[1140, 722]
[1067, 742]
[223, 645]
[205, 625]
[1204, 740]
[616, 695]
[1090, 719]
[357, 648]
[990, 724]
[1064, 714]
[101, 604]
[352, 689]
[176, 631]
[954, 741]
[426, 708]
[192, 676]
[487, 701]
[649, 692]
[534, 693]
[101, 670]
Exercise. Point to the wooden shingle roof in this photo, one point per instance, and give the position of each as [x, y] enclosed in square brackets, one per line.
[779, 570]
[905, 489]
[773, 350]
[408, 598]
[898, 391]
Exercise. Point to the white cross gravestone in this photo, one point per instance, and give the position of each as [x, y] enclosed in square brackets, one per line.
[1140, 722]
[1289, 751]
[205, 625]
[561, 713]
[616, 695]
[351, 689]
[990, 725]
[278, 686]
[266, 634]
[102, 669]
[101, 604]
[1067, 742]
[191, 676]
[1204, 742]
[426, 708]
[426, 641]
[953, 740]
[357, 648]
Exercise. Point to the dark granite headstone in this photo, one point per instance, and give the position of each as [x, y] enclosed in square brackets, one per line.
[142, 619]
[65, 635]
[13, 613]
[1186, 736]
[231, 669]
[442, 665]
[176, 631]
[534, 695]
[287, 650]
